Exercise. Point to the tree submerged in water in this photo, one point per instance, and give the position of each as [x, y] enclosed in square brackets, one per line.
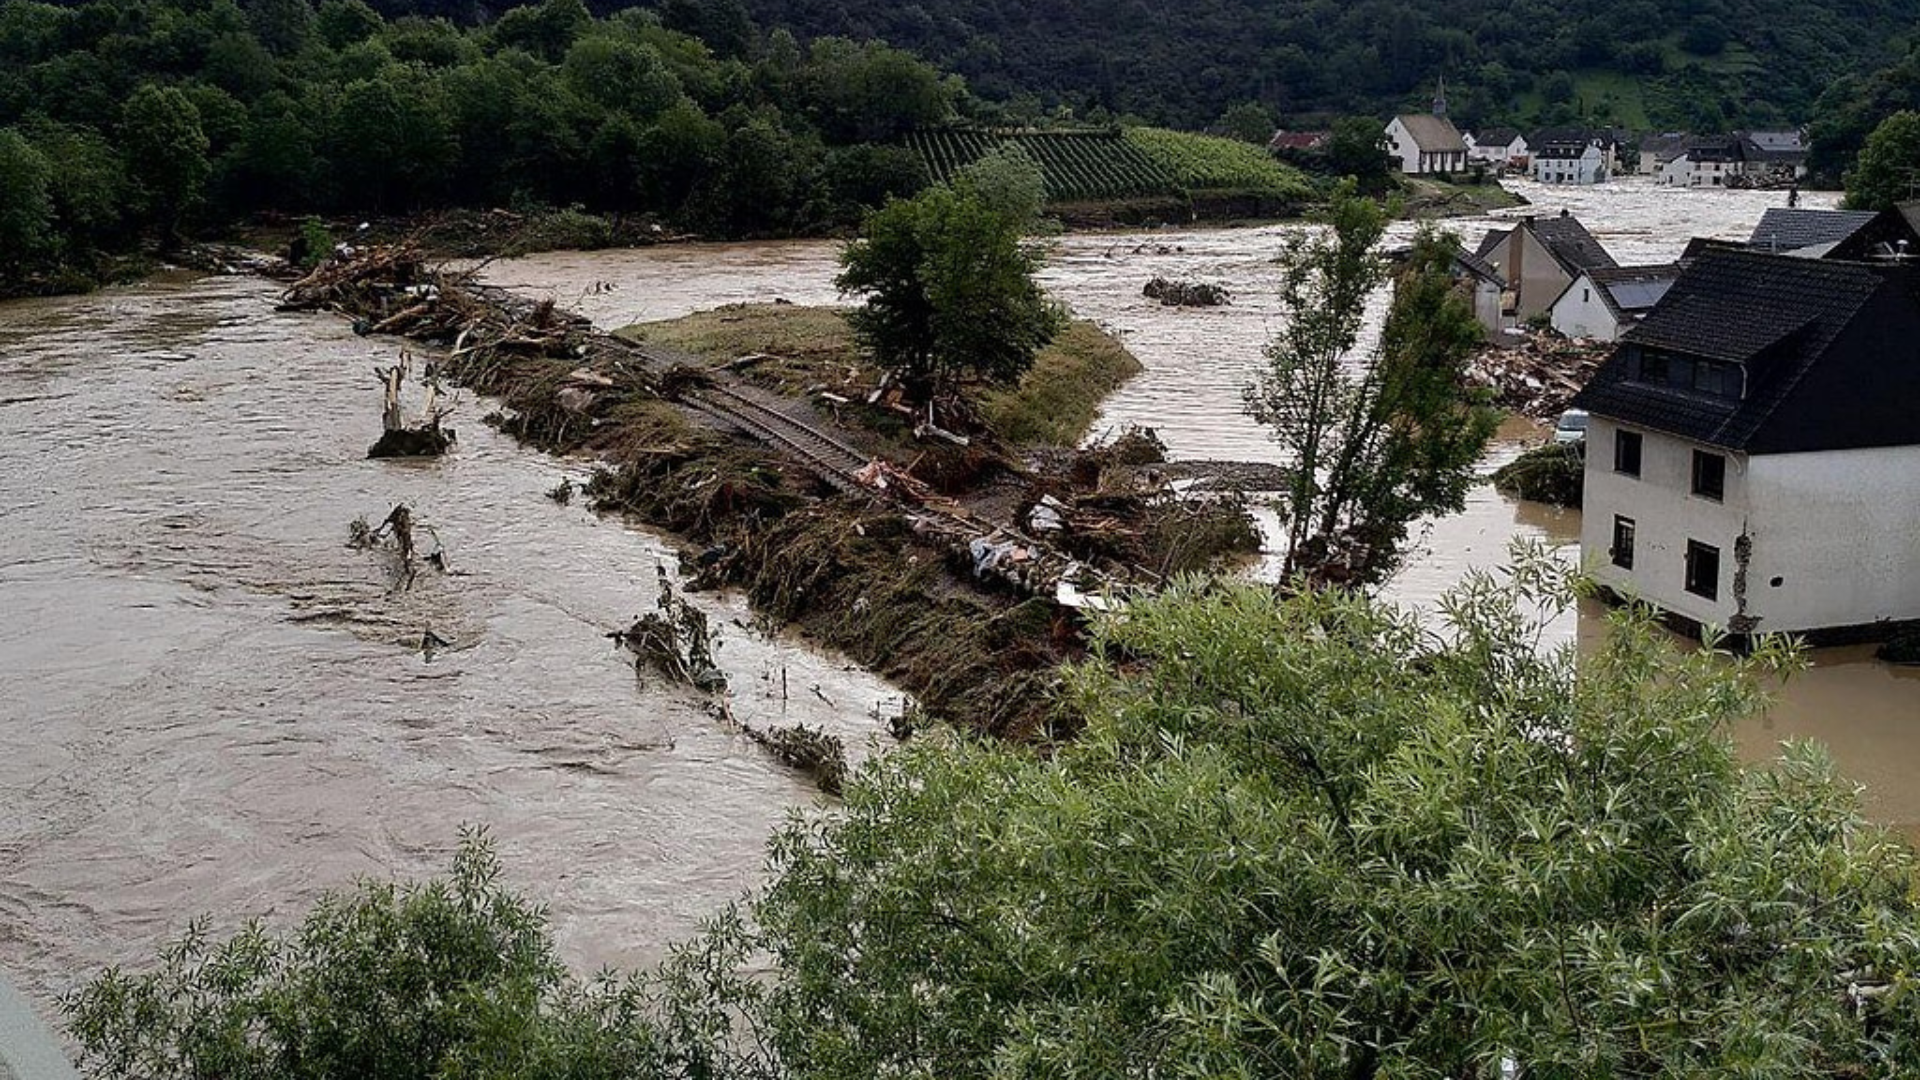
[1306, 837]
[1374, 442]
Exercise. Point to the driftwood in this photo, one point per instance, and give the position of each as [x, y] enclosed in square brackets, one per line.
[398, 527]
[397, 437]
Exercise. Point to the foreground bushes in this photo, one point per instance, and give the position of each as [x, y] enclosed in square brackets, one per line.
[1309, 838]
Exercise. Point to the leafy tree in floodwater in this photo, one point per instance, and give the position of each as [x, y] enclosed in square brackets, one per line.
[1373, 442]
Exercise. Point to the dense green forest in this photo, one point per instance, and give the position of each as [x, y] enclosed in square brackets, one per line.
[1700, 64]
[127, 117]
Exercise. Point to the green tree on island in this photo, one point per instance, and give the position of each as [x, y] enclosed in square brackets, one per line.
[1308, 837]
[1373, 442]
[1888, 166]
[949, 287]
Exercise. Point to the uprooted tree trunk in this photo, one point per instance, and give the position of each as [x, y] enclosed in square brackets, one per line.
[397, 438]
[397, 527]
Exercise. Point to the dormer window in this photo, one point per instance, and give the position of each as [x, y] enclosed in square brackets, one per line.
[1678, 371]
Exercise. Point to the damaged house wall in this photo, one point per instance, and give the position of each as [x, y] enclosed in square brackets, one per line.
[1666, 515]
[1838, 531]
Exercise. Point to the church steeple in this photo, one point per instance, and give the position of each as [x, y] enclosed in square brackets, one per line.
[1440, 99]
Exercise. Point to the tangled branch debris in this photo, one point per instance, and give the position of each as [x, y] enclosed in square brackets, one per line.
[675, 641]
[808, 749]
[397, 528]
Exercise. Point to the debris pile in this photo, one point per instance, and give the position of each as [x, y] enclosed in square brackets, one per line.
[1539, 376]
[1186, 293]
[964, 576]
[808, 749]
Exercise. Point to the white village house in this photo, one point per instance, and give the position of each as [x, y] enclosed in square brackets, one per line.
[1422, 143]
[1570, 158]
[1499, 147]
[1753, 453]
[1604, 302]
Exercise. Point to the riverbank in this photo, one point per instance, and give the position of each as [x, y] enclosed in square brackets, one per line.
[954, 565]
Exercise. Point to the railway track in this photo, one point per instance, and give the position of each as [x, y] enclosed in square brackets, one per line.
[834, 461]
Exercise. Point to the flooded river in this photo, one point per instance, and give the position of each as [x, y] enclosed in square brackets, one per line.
[209, 703]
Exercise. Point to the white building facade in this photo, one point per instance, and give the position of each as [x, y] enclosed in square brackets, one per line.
[1753, 448]
[1560, 164]
[1421, 144]
[1790, 542]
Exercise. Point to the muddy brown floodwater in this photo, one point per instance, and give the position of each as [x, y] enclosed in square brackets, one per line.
[1197, 360]
[209, 703]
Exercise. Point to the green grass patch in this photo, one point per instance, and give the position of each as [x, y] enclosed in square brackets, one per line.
[801, 349]
[1612, 97]
[1059, 398]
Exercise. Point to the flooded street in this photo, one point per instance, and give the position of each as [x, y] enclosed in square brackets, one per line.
[209, 703]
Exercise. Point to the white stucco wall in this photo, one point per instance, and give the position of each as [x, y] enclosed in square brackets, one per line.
[1665, 517]
[1581, 313]
[1589, 168]
[1840, 531]
[1402, 147]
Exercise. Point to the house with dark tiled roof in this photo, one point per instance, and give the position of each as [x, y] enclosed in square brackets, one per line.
[1773, 155]
[1753, 451]
[1708, 161]
[1487, 287]
[1540, 257]
[1838, 234]
[1604, 302]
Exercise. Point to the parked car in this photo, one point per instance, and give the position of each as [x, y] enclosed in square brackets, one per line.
[1572, 426]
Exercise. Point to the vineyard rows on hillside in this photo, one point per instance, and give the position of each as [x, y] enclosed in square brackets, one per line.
[1087, 166]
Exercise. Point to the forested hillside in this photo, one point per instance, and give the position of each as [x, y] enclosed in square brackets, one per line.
[124, 118]
[1703, 64]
